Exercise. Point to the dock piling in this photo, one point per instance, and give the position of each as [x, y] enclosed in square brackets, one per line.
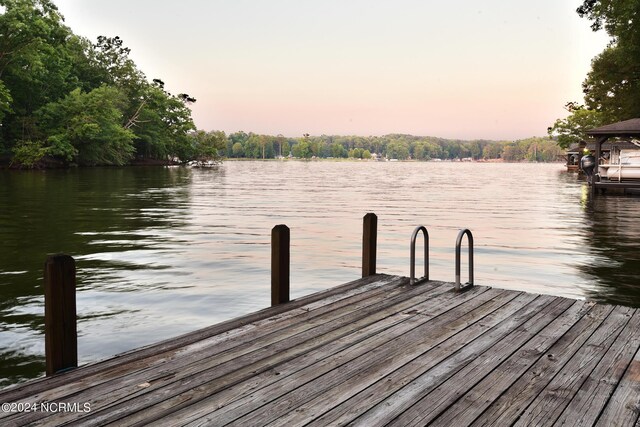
[61, 340]
[280, 260]
[369, 241]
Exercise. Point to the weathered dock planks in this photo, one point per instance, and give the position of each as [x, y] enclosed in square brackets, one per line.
[375, 351]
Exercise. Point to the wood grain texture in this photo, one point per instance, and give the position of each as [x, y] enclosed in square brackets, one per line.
[586, 406]
[472, 403]
[369, 244]
[507, 408]
[372, 352]
[61, 336]
[134, 357]
[280, 260]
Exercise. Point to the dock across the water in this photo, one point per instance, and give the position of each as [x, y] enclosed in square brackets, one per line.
[376, 351]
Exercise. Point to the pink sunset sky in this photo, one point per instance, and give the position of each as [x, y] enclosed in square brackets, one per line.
[468, 69]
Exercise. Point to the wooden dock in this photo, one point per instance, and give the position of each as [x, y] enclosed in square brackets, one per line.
[375, 351]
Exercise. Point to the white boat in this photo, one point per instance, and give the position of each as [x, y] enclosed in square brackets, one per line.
[202, 164]
[626, 165]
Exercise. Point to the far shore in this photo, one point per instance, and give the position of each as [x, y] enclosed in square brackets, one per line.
[143, 163]
[330, 159]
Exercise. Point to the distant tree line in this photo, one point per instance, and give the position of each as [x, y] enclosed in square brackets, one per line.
[394, 146]
[65, 100]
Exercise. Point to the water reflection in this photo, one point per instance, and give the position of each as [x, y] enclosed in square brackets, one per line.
[161, 252]
[107, 219]
[611, 233]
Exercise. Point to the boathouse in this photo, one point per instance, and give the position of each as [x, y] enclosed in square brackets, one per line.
[573, 155]
[617, 150]
[575, 151]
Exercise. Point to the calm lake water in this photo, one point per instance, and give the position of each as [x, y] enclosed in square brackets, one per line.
[164, 251]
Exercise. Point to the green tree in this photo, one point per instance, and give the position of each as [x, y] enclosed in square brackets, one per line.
[302, 150]
[161, 124]
[28, 154]
[512, 153]
[34, 64]
[30, 31]
[238, 150]
[338, 151]
[86, 128]
[280, 140]
[286, 148]
[5, 101]
[207, 145]
[615, 16]
[262, 141]
[253, 147]
[475, 150]
[420, 152]
[492, 151]
[42, 63]
[543, 150]
[240, 137]
[432, 150]
[110, 60]
[573, 128]
[160, 120]
[612, 87]
[398, 150]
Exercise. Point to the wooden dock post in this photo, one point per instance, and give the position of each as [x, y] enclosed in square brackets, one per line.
[369, 241]
[61, 339]
[280, 260]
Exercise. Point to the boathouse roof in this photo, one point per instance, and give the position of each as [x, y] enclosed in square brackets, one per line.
[624, 128]
[608, 145]
[576, 147]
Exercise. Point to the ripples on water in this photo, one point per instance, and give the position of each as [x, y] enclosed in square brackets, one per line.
[164, 251]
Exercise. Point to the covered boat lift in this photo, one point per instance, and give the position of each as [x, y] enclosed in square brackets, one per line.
[629, 129]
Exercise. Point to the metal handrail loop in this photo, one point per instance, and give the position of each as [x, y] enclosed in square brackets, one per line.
[461, 234]
[414, 236]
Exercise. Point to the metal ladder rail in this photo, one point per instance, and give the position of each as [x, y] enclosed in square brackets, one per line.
[414, 236]
[461, 234]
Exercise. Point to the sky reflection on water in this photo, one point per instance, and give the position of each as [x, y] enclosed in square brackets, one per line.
[164, 251]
